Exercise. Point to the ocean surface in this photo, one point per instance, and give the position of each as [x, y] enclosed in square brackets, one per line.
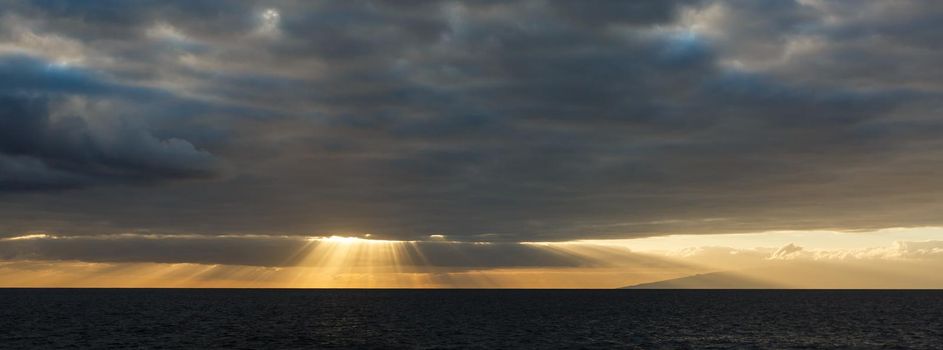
[486, 319]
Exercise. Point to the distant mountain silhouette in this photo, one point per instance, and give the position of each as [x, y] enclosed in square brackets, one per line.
[714, 280]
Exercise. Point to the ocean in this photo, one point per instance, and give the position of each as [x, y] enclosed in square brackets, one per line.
[459, 319]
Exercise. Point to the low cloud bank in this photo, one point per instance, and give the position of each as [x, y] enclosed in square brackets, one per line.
[284, 251]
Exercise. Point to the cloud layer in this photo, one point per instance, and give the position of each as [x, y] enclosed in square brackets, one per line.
[482, 121]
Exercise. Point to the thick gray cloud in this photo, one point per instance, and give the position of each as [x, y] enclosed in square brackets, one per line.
[483, 120]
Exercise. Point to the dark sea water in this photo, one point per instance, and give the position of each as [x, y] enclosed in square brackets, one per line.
[487, 319]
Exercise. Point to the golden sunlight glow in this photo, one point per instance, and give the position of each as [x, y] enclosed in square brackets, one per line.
[345, 261]
[26, 237]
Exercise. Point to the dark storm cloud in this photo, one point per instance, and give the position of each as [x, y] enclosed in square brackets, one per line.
[40, 151]
[482, 120]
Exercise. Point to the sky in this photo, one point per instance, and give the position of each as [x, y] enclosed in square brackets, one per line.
[535, 143]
